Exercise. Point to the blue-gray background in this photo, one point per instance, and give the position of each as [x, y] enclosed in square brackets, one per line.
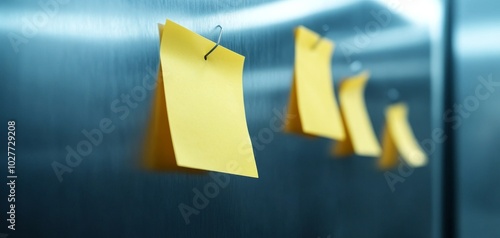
[63, 79]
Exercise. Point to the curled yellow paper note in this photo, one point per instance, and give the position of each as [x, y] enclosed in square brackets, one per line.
[360, 138]
[205, 103]
[312, 108]
[398, 137]
[205, 116]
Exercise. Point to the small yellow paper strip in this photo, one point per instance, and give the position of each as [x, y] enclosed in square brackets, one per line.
[360, 138]
[205, 115]
[398, 136]
[312, 108]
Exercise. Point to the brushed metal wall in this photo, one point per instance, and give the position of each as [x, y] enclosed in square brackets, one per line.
[476, 53]
[64, 72]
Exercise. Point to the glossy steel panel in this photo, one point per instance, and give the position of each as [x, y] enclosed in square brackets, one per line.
[71, 67]
[476, 117]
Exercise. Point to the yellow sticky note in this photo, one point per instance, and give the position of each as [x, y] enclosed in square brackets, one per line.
[361, 138]
[204, 103]
[312, 108]
[399, 137]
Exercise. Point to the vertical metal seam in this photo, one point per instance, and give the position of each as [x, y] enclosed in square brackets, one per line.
[449, 163]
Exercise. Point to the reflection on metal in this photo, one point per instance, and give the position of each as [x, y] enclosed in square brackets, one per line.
[475, 58]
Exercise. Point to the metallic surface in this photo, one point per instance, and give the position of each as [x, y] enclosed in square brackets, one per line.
[67, 72]
[475, 41]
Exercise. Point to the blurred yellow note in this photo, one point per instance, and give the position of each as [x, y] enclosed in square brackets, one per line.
[360, 138]
[204, 104]
[398, 137]
[312, 108]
